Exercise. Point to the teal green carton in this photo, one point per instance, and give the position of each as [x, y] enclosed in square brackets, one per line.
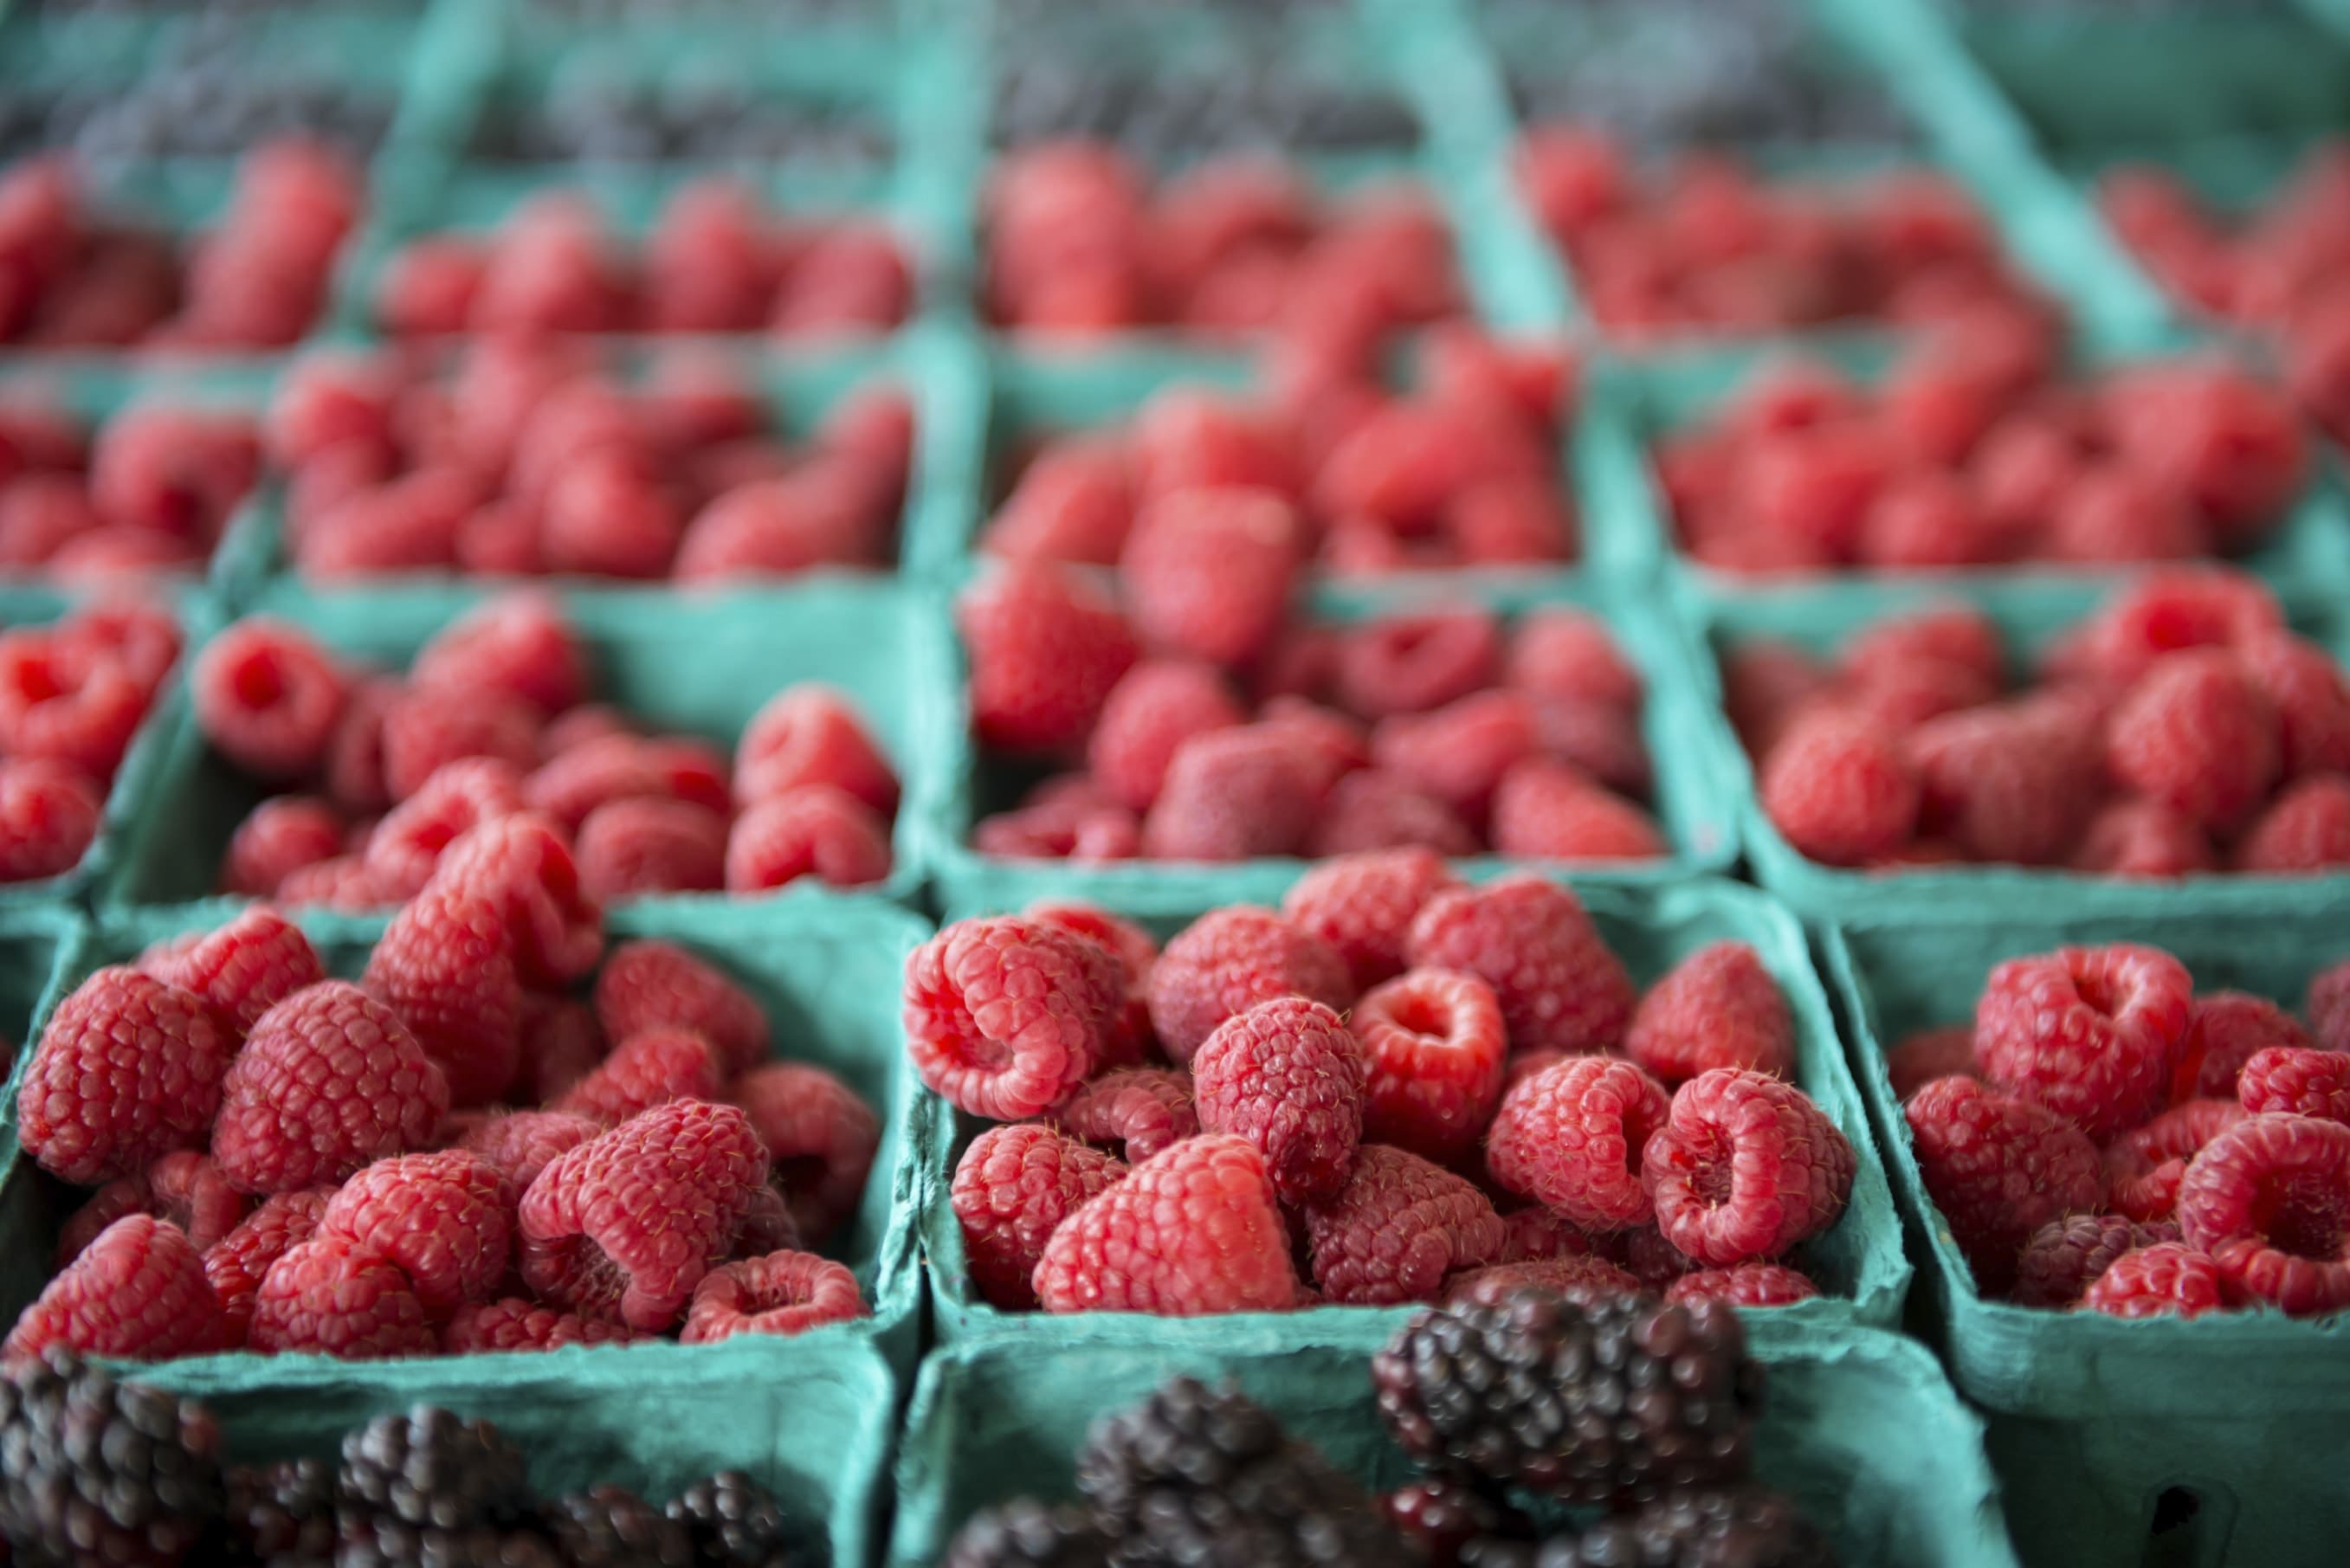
[37, 942]
[1862, 1432]
[2120, 1442]
[1858, 1264]
[826, 973]
[701, 664]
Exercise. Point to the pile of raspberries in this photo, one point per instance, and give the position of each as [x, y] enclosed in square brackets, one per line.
[1706, 246]
[1459, 473]
[716, 261]
[2179, 729]
[72, 278]
[1965, 457]
[72, 694]
[494, 722]
[1369, 1068]
[151, 490]
[527, 460]
[287, 1162]
[2104, 1136]
[1213, 729]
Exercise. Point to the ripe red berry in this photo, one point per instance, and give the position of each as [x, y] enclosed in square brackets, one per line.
[810, 734]
[1434, 1043]
[1839, 788]
[630, 848]
[1718, 1007]
[1411, 664]
[2269, 1200]
[1745, 1167]
[2197, 734]
[445, 968]
[1207, 574]
[445, 1219]
[2224, 1030]
[1998, 1169]
[2165, 1279]
[2144, 1166]
[268, 697]
[1532, 942]
[1135, 1111]
[1744, 1285]
[138, 1291]
[1012, 1188]
[820, 1137]
[511, 1323]
[784, 1293]
[240, 971]
[334, 1297]
[1005, 1015]
[1046, 650]
[1396, 1227]
[2093, 1033]
[1548, 811]
[1226, 962]
[1288, 1076]
[236, 1263]
[814, 830]
[1158, 706]
[648, 1068]
[1195, 1230]
[1928, 1054]
[520, 643]
[330, 1080]
[281, 835]
[521, 1144]
[1571, 1138]
[2302, 1082]
[128, 1070]
[649, 984]
[2063, 1256]
[2304, 830]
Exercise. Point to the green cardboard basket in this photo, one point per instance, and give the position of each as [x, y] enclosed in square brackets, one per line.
[1861, 1430]
[34, 940]
[1858, 1264]
[2121, 1443]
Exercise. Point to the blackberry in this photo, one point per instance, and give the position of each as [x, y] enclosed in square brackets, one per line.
[737, 1523]
[1206, 1479]
[1025, 1534]
[379, 1541]
[1443, 1517]
[612, 1527]
[283, 1512]
[1724, 1527]
[431, 1468]
[96, 1471]
[1618, 1401]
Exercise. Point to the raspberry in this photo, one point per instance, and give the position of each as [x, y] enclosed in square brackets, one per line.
[1192, 439]
[1998, 1169]
[1373, 810]
[809, 734]
[521, 1144]
[48, 818]
[1149, 715]
[1746, 1285]
[1012, 1188]
[577, 778]
[1604, 742]
[426, 729]
[2327, 1007]
[2167, 611]
[814, 830]
[1531, 940]
[1571, 1138]
[2110, 515]
[1207, 573]
[1746, 1166]
[525, 871]
[1136, 950]
[2165, 1279]
[520, 644]
[2224, 1030]
[782, 1293]
[2093, 1033]
[2312, 698]
[816, 515]
[1547, 811]
[42, 514]
[1060, 822]
[184, 1188]
[1579, 1279]
[625, 1226]
[2269, 1200]
[2216, 435]
[1363, 905]
[2012, 783]
[2137, 838]
[570, 731]
[268, 697]
[1193, 1230]
[1434, 1043]
[1461, 752]
[138, 1291]
[1226, 962]
[1947, 1052]
[631, 848]
[1286, 1076]
[657, 984]
[2063, 1257]
[2302, 1082]
[327, 399]
[1571, 654]
[820, 1139]
[1528, 1235]
[405, 848]
[443, 1218]
[1718, 1007]
[1137, 1111]
[1411, 664]
[1235, 794]
[1899, 697]
[172, 471]
[281, 835]
[1764, 685]
[241, 970]
[1921, 521]
[1046, 650]
[62, 704]
[2306, 829]
[1395, 1230]
[2145, 1164]
[443, 968]
[128, 1070]
[353, 764]
[1074, 504]
[1956, 634]
[340, 882]
[329, 1080]
[511, 1323]
[236, 1263]
[1005, 1015]
[1840, 789]
[647, 1069]
[2197, 735]
[334, 1297]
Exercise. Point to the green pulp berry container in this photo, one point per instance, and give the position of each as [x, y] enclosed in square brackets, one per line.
[2196, 1442]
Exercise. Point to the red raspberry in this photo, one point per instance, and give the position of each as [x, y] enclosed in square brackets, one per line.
[443, 968]
[1187, 437]
[42, 514]
[2111, 515]
[1925, 520]
[1548, 811]
[579, 777]
[511, 1323]
[814, 830]
[1531, 940]
[1604, 742]
[2306, 829]
[625, 1226]
[1840, 789]
[1578, 1279]
[2093, 1033]
[1149, 715]
[1528, 1235]
[2135, 838]
[1137, 1111]
[1066, 818]
[2197, 735]
[1074, 504]
[2065, 1256]
[445, 1218]
[809, 734]
[2212, 433]
[241, 970]
[353, 762]
[1286, 1076]
[2312, 698]
[405, 848]
[236, 1264]
[2224, 1030]
[1957, 633]
[521, 1144]
[173, 471]
[48, 818]
[2013, 783]
[647, 1069]
[656, 984]
[1571, 654]
[1746, 1285]
[139, 1292]
[1372, 810]
[1128, 1039]
[632, 848]
[1236, 794]
[1434, 1042]
[1045, 648]
[820, 1137]
[1947, 1052]
[2163, 612]
[267, 697]
[1718, 1007]
[340, 882]
[1413, 663]
[520, 643]
[66, 705]
[411, 523]
[1226, 962]
[2145, 1164]
[128, 1070]
[2302, 1082]
[818, 514]
[329, 1080]
[2269, 1200]
[327, 399]
[139, 636]
[281, 835]
[2327, 1007]
[1746, 1168]
[1899, 697]
[1207, 573]
[1764, 685]
[1012, 1189]
[1195, 1230]
[426, 729]
[1396, 1227]
[1363, 905]
[185, 1188]
[1005, 1015]
[785, 1292]
[2164, 1279]
[1998, 1169]
[522, 867]
[1460, 753]
[332, 1296]
[1571, 1138]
